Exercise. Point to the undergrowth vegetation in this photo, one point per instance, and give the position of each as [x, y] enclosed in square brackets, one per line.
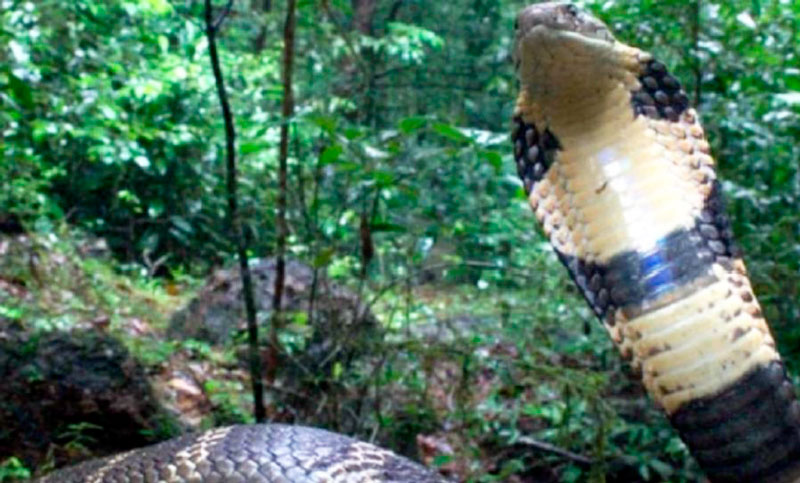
[110, 161]
[487, 373]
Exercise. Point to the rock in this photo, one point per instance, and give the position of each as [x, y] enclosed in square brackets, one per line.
[70, 395]
[316, 356]
[10, 224]
[339, 321]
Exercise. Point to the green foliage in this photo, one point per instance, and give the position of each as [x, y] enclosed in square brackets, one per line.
[12, 469]
[77, 436]
[228, 398]
[109, 121]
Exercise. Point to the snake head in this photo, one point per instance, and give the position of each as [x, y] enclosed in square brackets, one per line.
[560, 37]
[563, 53]
[564, 17]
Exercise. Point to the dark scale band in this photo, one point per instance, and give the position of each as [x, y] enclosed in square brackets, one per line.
[681, 261]
[660, 95]
[534, 152]
[749, 431]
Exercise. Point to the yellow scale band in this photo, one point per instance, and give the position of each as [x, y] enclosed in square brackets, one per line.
[621, 184]
[699, 344]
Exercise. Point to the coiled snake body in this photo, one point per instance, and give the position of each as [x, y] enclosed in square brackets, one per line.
[264, 453]
[617, 170]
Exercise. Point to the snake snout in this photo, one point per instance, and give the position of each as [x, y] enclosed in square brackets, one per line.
[561, 16]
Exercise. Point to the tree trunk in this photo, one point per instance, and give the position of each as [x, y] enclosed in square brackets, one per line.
[364, 15]
[212, 27]
[287, 109]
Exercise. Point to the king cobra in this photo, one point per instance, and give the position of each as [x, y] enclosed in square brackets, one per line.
[617, 170]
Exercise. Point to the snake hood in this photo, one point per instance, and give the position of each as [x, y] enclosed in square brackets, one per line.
[620, 176]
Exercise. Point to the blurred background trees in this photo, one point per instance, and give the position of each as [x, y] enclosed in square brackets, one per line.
[401, 181]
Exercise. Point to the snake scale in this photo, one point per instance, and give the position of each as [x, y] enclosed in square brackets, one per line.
[618, 172]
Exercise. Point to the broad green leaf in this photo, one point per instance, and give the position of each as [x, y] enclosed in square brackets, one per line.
[411, 124]
[441, 460]
[450, 132]
[21, 90]
[330, 154]
[253, 147]
[327, 123]
[299, 318]
[163, 43]
[494, 158]
[352, 133]
[382, 178]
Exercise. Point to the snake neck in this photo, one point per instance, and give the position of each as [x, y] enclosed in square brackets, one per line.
[617, 170]
[619, 174]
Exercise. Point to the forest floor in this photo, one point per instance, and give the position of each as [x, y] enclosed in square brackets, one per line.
[486, 384]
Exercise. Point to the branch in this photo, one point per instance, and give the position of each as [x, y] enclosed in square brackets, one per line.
[287, 109]
[221, 18]
[549, 448]
[233, 213]
[394, 11]
[696, 64]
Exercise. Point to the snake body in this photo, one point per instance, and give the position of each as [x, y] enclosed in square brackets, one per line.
[262, 453]
[619, 174]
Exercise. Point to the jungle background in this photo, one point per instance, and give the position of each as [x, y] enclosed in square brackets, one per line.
[468, 347]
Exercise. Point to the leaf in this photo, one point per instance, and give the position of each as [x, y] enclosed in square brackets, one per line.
[21, 90]
[330, 154]
[442, 459]
[326, 123]
[155, 209]
[494, 158]
[347, 166]
[790, 98]
[323, 258]
[450, 132]
[352, 133]
[142, 161]
[746, 19]
[181, 224]
[42, 130]
[663, 469]
[252, 147]
[13, 313]
[337, 370]
[382, 178]
[375, 153]
[163, 43]
[300, 318]
[411, 124]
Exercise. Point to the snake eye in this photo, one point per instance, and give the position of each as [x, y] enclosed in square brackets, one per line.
[572, 10]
